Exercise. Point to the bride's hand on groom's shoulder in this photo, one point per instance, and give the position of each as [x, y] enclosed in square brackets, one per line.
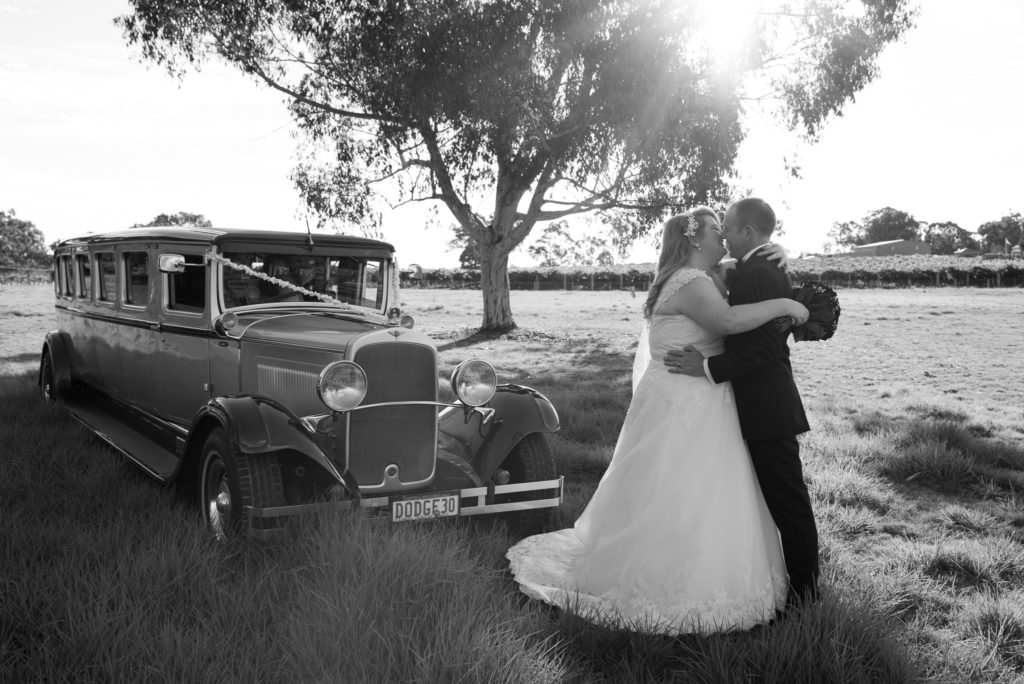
[775, 252]
[687, 361]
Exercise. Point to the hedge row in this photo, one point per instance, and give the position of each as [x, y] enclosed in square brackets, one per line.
[916, 269]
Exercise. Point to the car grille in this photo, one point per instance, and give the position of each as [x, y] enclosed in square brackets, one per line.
[402, 435]
[295, 388]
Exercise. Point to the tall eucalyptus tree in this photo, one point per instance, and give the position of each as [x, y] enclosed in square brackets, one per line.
[518, 112]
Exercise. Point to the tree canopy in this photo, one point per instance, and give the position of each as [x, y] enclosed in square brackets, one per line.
[469, 254]
[880, 225]
[22, 245]
[557, 247]
[1002, 234]
[946, 237]
[887, 224]
[520, 112]
[182, 218]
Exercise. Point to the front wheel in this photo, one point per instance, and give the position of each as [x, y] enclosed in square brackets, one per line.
[530, 461]
[230, 481]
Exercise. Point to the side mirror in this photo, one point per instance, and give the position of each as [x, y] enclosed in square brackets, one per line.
[172, 263]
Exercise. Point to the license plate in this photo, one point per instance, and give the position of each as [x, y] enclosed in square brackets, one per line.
[425, 507]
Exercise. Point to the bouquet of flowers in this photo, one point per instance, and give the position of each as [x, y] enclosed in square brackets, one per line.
[823, 304]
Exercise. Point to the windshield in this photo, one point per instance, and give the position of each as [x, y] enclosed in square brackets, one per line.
[268, 277]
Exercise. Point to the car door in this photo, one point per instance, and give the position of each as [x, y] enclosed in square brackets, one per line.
[106, 322]
[137, 334]
[180, 367]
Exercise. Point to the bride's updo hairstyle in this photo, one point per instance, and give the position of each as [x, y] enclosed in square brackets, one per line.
[675, 249]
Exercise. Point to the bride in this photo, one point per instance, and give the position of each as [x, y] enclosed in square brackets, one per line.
[677, 538]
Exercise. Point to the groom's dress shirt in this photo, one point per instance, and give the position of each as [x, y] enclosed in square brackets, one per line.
[707, 369]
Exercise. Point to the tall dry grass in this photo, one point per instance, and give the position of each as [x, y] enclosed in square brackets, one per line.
[107, 577]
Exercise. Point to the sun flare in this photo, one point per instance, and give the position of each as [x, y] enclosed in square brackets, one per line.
[728, 25]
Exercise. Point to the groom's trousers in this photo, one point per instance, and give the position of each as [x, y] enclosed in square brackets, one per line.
[780, 473]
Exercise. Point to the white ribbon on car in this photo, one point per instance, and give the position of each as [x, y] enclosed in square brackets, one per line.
[326, 298]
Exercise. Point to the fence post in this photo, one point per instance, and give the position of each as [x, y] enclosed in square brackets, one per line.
[536, 282]
[565, 281]
[591, 282]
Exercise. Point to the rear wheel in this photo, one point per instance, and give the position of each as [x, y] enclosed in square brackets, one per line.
[231, 481]
[47, 381]
[530, 461]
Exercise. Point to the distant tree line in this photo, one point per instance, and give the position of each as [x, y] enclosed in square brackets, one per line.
[23, 246]
[182, 218]
[921, 270]
[944, 237]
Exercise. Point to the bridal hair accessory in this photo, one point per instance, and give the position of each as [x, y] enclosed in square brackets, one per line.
[691, 227]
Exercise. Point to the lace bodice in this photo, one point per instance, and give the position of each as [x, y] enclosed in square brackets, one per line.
[673, 331]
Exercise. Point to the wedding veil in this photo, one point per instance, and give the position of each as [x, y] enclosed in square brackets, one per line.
[643, 353]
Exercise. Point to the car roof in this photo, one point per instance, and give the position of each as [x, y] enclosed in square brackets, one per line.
[217, 236]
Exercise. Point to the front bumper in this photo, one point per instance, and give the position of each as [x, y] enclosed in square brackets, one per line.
[265, 522]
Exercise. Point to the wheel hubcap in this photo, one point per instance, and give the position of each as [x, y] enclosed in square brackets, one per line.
[224, 501]
[218, 501]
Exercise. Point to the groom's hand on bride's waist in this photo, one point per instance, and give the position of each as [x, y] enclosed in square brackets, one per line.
[687, 361]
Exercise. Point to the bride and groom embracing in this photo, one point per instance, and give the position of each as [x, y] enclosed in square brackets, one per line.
[702, 522]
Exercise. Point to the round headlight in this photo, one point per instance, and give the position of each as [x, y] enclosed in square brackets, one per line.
[406, 321]
[342, 385]
[474, 382]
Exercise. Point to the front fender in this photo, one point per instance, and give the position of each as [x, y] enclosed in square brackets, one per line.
[58, 345]
[257, 425]
[518, 411]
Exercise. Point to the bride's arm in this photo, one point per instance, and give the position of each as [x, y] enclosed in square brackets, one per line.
[701, 301]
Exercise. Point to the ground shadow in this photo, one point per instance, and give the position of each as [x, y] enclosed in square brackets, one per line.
[20, 358]
[941, 450]
[470, 339]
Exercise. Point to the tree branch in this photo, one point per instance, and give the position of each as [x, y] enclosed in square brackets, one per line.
[266, 78]
[462, 211]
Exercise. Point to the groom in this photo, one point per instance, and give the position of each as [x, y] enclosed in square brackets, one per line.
[770, 411]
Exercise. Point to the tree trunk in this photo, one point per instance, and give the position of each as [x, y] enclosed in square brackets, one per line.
[495, 290]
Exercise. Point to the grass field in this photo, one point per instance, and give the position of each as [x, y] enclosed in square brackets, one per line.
[915, 465]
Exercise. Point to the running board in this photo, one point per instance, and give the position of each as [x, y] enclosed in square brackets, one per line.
[138, 446]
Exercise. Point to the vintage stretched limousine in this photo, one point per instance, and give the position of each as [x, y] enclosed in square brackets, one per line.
[274, 374]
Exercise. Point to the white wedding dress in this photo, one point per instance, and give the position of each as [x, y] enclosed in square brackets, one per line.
[677, 538]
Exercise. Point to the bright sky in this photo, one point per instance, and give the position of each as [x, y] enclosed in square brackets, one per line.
[92, 140]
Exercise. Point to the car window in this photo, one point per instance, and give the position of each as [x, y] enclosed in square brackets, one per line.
[84, 276]
[136, 276]
[356, 281]
[269, 277]
[373, 293]
[67, 276]
[107, 277]
[186, 292]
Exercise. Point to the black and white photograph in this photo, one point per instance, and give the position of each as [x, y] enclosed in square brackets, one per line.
[511, 341]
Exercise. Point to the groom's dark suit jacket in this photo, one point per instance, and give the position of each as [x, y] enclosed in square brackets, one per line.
[757, 361]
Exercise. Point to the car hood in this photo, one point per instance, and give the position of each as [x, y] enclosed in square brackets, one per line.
[322, 330]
